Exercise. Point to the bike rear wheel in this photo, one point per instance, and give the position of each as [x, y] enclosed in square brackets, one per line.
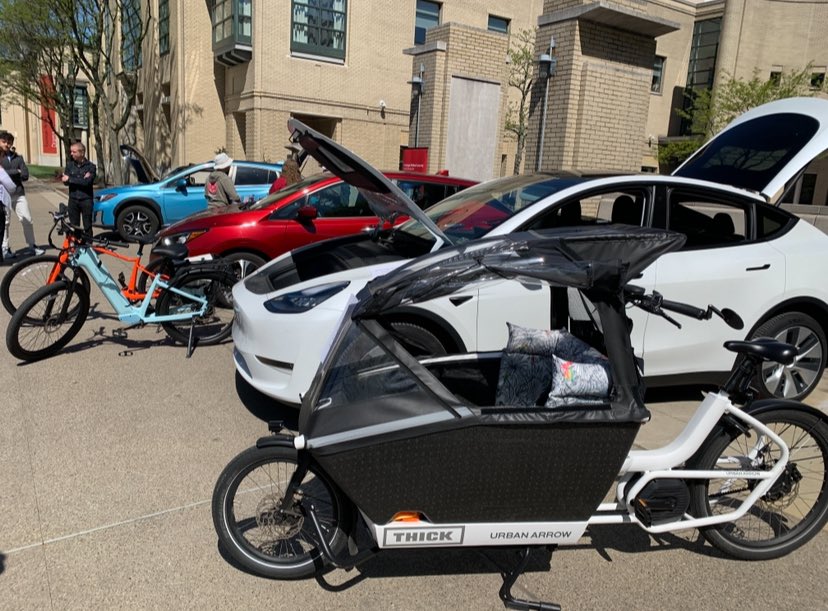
[47, 321]
[156, 266]
[796, 506]
[26, 276]
[211, 327]
[260, 534]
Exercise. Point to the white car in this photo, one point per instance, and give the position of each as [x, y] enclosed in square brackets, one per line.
[742, 252]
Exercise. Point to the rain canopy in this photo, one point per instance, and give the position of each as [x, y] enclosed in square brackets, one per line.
[370, 385]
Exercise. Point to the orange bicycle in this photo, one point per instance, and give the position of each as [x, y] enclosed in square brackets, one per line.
[28, 275]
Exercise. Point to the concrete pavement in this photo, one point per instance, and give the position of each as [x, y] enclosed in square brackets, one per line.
[110, 450]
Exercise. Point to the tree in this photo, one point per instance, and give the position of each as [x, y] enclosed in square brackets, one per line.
[108, 57]
[711, 110]
[521, 68]
[36, 67]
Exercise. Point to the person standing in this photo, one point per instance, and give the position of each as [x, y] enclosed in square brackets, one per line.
[219, 189]
[79, 176]
[6, 186]
[290, 174]
[15, 166]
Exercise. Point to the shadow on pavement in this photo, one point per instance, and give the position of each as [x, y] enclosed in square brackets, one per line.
[2, 562]
[266, 408]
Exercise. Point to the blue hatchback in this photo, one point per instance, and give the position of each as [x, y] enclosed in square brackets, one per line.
[141, 209]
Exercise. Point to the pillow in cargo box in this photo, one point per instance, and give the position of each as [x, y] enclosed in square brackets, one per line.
[527, 366]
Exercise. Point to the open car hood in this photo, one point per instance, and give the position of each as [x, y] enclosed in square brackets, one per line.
[765, 149]
[598, 258]
[386, 199]
[143, 170]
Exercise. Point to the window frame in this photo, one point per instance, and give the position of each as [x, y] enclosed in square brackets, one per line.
[506, 22]
[232, 13]
[420, 12]
[131, 28]
[163, 27]
[300, 48]
[657, 83]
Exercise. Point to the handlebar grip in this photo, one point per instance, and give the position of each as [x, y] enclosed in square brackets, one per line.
[685, 309]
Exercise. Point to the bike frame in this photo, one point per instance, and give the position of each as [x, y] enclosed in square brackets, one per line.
[87, 258]
[661, 463]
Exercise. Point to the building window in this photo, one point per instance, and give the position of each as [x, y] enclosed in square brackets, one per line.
[702, 67]
[131, 31]
[318, 27]
[80, 108]
[233, 22]
[775, 77]
[658, 74]
[427, 17]
[163, 27]
[802, 192]
[498, 24]
[817, 80]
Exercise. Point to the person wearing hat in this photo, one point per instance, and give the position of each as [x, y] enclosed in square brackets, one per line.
[16, 168]
[219, 189]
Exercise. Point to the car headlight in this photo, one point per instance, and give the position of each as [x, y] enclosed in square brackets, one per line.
[304, 300]
[105, 197]
[181, 238]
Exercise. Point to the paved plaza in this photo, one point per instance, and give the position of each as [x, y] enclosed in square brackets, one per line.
[110, 450]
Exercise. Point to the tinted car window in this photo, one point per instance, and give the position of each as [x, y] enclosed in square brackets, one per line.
[423, 194]
[771, 221]
[197, 179]
[751, 154]
[706, 223]
[475, 211]
[252, 176]
[341, 200]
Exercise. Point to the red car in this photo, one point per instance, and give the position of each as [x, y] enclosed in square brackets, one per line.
[316, 208]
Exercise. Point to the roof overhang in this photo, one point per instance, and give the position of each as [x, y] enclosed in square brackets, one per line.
[615, 16]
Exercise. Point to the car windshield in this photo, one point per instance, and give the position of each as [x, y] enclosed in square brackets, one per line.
[475, 211]
[289, 190]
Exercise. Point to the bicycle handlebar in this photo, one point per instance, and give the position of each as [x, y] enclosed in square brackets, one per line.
[656, 304]
[62, 225]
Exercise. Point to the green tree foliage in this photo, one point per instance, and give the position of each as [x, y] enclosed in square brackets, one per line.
[36, 65]
[712, 109]
[521, 68]
[65, 40]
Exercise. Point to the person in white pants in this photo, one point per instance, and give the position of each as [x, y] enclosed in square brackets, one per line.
[16, 168]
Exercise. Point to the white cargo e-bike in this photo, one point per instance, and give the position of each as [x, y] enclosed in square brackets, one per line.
[430, 452]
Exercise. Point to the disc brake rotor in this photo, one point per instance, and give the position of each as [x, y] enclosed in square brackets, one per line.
[277, 523]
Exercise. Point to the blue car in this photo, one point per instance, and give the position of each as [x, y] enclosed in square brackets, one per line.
[141, 209]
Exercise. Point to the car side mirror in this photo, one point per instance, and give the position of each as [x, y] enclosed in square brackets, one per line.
[181, 184]
[306, 214]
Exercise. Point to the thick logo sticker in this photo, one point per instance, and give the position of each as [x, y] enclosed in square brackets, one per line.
[423, 535]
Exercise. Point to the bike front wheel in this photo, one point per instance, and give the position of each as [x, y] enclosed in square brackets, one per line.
[215, 323]
[793, 510]
[28, 275]
[260, 533]
[47, 321]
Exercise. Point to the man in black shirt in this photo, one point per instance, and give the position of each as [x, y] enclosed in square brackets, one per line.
[79, 176]
[16, 168]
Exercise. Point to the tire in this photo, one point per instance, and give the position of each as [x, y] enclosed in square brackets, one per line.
[26, 276]
[252, 530]
[136, 220]
[156, 266]
[242, 264]
[417, 340]
[795, 381]
[792, 511]
[216, 324]
[53, 329]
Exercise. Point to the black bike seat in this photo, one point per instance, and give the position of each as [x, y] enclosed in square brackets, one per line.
[765, 348]
[174, 251]
[142, 239]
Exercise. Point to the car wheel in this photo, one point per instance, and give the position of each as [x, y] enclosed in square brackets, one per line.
[242, 265]
[418, 340]
[795, 381]
[136, 221]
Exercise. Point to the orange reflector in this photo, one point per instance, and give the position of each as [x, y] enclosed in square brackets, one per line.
[406, 516]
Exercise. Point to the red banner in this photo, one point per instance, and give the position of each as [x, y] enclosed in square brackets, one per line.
[415, 159]
[48, 140]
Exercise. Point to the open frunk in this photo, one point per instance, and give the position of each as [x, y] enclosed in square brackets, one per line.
[534, 433]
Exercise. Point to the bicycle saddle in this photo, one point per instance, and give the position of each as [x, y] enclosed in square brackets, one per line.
[142, 239]
[174, 251]
[766, 349]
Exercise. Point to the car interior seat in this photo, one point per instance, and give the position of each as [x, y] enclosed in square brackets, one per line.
[570, 214]
[723, 224]
[627, 210]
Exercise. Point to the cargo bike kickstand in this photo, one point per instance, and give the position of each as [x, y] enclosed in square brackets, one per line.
[460, 450]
